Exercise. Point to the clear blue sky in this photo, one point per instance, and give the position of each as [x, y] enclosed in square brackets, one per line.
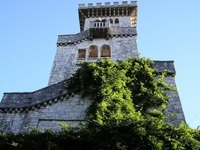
[167, 30]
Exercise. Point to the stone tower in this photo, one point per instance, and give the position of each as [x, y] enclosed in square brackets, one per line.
[105, 31]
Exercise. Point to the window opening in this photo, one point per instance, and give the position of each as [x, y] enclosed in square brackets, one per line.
[111, 21]
[93, 51]
[105, 51]
[116, 21]
[81, 53]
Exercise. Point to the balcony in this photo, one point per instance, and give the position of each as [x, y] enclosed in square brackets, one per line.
[99, 29]
[99, 24]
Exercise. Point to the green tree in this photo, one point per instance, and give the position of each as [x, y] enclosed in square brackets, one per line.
[120, 91]
[128, 103]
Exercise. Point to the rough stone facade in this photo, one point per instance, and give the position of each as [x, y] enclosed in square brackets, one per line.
[106, 31]
[174, 109]
[47, 115]
[66, 59]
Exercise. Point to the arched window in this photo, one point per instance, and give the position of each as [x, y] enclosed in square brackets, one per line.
[116, 21]
[93, 51]
[111, 21]
[105, 51]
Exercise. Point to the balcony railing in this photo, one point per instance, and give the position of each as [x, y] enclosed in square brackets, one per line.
[99, 24]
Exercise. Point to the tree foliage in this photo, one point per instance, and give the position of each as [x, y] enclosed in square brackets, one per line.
[128, 100]
[121, 92]
[128, 103]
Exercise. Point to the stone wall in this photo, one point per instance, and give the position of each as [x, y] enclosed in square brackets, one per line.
[174, 110]
[52, 105]
[68, 110]
[65, 61]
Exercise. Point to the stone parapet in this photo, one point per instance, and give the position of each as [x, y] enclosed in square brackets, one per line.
[108, 4]
[107, 10]
[123, 31]
[86, 34]
[165, 65]
[73, 38]
[28, 99]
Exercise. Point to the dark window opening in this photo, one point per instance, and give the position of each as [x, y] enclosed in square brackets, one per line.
[105, 51]
[111, 21]
[116, 21]
[81, 53]
[93, 51]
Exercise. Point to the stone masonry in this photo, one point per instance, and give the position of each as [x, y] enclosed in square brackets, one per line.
[106, 31]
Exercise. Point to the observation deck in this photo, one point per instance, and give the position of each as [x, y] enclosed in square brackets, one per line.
[108, 10]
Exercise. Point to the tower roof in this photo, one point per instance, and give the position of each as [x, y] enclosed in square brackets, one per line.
[108, 10]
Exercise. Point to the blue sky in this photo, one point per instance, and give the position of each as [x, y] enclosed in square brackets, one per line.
[167, 30]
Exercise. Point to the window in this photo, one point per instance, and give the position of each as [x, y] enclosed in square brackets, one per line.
[81, 53]
[105, 51]
[111, 21]
[116, 21]
[93, 51]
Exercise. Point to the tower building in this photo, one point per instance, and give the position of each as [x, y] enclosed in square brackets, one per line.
[106, 31]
